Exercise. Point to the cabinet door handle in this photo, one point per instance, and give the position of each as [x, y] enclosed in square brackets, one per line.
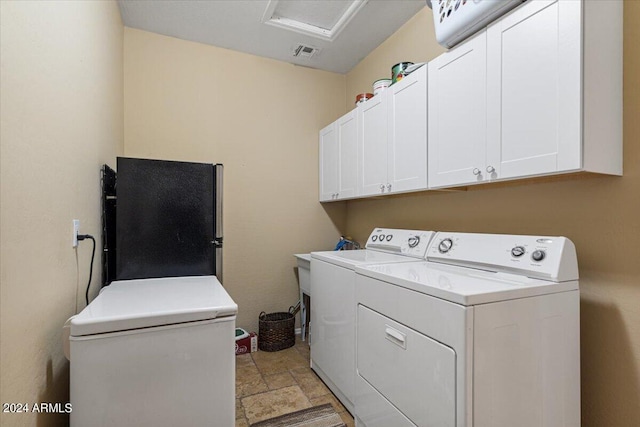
[388, 187]
[491, 169]
[476, 171]
[382, 187]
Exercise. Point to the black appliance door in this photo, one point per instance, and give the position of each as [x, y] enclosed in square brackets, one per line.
[165, 223]
[109, 206]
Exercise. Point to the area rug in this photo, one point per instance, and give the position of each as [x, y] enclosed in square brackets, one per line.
[318, 416]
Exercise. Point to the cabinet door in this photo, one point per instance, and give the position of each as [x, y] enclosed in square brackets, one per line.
[328, 162]
[534, 89]
[372, 145]
[407, 141]
[457, 114]
[347, 155]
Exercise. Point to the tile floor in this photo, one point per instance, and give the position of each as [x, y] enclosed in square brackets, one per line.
[271, 384]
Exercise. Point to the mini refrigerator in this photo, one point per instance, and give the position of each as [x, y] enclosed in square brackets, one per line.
[161, 219]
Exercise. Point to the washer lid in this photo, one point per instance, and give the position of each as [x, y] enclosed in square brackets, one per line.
[351, 259]
[144, 303]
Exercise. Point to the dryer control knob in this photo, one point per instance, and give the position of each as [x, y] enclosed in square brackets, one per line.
[538, 255]
[445, 245]
[517, 251]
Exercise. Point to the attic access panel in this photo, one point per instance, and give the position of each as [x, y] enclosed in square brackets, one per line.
[318, 18]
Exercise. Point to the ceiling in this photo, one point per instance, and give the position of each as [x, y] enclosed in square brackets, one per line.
[331, 35]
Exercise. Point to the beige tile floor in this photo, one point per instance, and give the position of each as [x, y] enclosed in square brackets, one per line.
[269, 384]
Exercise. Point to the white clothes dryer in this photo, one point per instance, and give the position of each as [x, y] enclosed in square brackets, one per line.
[333, 304]
[485, 333]
[154, 352]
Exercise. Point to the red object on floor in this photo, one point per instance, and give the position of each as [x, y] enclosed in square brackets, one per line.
[248, 344]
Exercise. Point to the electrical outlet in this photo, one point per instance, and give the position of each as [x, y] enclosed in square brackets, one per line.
[76, 230]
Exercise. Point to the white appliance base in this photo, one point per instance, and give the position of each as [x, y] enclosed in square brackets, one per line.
[334, 389]
[175, 375]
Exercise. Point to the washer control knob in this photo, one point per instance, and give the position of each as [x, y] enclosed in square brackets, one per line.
[381, 237]
[517, 251]
[374, 238]
[445, 245]
[538, 255]
[389, 237]
[413, 241]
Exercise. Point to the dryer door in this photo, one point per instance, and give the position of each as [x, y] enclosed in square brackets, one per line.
[414, 372]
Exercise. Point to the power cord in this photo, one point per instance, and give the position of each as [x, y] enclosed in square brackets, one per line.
[93, 254]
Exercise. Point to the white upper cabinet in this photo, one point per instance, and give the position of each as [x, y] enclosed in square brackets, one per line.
[538, 92]
[534, 90]
[347, 155]
[338, 157]
[380, 147]
[457, 114]
[407, 140]
[392, 144]
[328, 162]
[372, 145]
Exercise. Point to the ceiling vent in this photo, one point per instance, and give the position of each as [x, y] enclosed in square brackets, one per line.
[304, 51]
[317, 18]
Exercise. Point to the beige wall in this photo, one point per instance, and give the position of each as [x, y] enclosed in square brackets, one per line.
[260, 118]
[61, 100]
[62, 117]
[601, 214]
[414, 42]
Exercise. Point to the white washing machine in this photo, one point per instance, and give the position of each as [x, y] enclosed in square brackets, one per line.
[333, 304]
[485, 333]
[154, 352]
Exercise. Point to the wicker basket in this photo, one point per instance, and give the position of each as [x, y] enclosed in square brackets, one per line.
[276, 331]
